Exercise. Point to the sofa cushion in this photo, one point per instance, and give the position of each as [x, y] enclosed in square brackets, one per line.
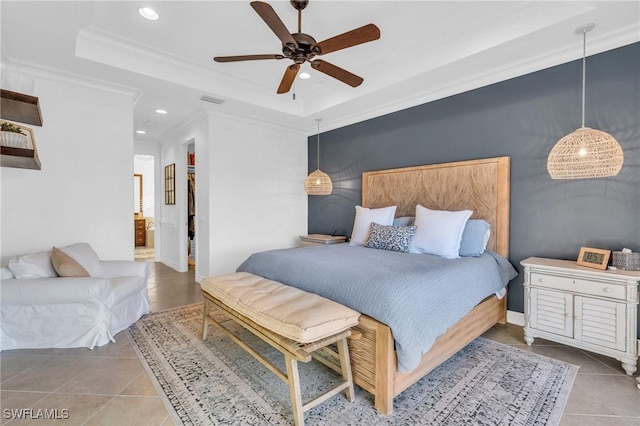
[36, 265]
[65, 265]
[85, 256]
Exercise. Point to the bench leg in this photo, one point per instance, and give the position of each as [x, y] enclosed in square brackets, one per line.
[205, 319]
[294, 390]
[345, 366]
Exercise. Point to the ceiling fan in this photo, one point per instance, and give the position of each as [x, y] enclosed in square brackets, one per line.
[301, 47]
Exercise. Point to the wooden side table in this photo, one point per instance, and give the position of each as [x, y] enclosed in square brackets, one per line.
[321, 240]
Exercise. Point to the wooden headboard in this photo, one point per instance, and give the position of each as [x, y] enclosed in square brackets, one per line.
[478, 185]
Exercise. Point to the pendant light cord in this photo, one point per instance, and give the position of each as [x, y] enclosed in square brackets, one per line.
[318, 144]
[584, 70]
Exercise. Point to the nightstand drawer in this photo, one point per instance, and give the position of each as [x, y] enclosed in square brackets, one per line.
[579, 285]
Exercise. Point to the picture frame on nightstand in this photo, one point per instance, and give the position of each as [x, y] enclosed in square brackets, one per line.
[593, 258]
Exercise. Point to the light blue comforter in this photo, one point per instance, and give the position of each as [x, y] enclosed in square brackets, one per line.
[418, 296]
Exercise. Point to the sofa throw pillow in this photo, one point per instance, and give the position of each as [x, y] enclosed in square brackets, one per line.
[439, 231]
[474, 238]
[392, 238]
[65, 265]
[6, 274]
[85, 256]
[364, 218]
[36, 265]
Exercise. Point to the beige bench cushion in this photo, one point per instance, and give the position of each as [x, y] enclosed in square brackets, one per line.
[287, 311]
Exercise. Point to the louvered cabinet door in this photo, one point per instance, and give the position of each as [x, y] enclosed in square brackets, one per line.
[552, 311]
[600, 322]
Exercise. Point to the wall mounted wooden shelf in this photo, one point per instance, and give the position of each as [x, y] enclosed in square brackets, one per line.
[20, 107]
[19, 158]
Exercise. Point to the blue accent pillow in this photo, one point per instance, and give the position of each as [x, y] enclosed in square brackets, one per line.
[403, 221]
[393, 238]
[474, 238]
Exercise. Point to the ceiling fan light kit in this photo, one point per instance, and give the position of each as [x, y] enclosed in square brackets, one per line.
[585, 153]
[300, 47]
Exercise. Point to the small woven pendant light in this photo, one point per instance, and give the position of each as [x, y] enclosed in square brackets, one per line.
[318, 182]
[585, 153]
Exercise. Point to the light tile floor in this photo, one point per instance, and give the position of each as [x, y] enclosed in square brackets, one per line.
[109, 386]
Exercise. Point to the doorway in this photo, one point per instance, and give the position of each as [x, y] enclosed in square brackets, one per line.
[144, 206]
[191, 205]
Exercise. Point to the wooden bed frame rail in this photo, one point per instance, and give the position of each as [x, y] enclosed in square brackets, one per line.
[480, 185]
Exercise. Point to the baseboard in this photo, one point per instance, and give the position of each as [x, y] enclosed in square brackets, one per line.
[516, 318]
[171, 264]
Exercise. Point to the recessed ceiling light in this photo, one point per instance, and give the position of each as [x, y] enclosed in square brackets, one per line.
[141, 132]
[305, 75]
[161, 111]
[148, 13]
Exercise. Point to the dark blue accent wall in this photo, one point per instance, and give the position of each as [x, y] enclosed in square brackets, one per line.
[521, 118]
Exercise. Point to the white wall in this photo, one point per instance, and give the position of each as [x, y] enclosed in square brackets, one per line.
[171, 243]
[249, 191]
[257, 199]
[173, 219]
[84, 190]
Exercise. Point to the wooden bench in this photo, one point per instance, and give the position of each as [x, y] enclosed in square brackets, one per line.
[294, 322]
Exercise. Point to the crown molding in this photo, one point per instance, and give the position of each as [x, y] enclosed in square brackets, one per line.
[54, 74]
[248, 119]
[170, 135]
[622, 37]
[110, 49]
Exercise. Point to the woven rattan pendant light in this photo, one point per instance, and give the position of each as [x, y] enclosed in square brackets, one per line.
[318, 182]
[585, 153]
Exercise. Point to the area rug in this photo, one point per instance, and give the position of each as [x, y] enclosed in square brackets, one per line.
[217, 382]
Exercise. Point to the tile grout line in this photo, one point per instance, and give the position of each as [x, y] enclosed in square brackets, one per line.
[99, 409]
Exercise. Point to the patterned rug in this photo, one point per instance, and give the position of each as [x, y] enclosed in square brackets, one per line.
[217, 382]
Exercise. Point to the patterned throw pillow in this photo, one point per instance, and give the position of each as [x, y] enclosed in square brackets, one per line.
[393, 238]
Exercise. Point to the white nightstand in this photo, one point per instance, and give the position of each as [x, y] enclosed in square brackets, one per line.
[582, 307]
[320, 240]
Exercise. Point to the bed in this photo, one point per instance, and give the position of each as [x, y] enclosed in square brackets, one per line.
[478, 185]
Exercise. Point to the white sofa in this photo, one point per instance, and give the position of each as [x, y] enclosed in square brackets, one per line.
[39, 309]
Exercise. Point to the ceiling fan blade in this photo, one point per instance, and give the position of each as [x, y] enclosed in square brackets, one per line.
[274, 22]
[351, 38]
[337, 72]
[287, 79]
[246, 58]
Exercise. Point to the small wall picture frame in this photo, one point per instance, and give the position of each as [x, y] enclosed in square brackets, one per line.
[593, 258]
[170, 184]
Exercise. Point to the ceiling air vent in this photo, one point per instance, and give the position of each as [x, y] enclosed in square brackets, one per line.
[212, 99]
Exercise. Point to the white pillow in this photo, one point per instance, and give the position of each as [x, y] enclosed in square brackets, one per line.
[37, 265]
[364, 218]
[6, 274]
[439, 231]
